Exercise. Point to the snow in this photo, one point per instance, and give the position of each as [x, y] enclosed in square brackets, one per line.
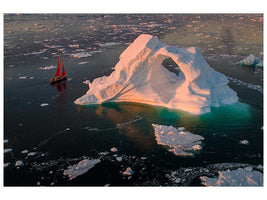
[19, 163]
[251, 60]
[180, 142]
[113, 149]
[239, 177]
[44, 104]
[80, 168]
[140, 77]
[81, 55]
[7, 150]
[128, 172]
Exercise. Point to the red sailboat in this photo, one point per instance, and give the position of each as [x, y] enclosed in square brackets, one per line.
[59, 77]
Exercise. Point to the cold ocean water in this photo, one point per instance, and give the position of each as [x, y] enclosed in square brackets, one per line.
[47, 132]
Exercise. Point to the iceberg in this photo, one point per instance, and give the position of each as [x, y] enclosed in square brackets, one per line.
[140, 77]
[251, 60]
[180, 142]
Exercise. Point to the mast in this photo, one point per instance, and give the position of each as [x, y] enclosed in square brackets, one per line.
[58, 68]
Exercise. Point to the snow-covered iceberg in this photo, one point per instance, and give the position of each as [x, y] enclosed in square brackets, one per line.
[180, 141]
[251, 60]
[140, 77]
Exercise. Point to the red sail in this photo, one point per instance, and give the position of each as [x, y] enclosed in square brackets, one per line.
[58, 68]
[63, 72]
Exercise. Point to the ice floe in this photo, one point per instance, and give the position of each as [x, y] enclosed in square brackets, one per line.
[248, 85]
[36, 53]
[140, 77]
[251, 60]
[81, 55]
[44, 104]
[31, 154]
[7, 150]
[48, 67]
[82, 63]
[80, 168]
[179, 141]
[19, 163]
[239, 177]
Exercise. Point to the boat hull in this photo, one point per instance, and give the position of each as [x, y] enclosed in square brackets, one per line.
[57, 79]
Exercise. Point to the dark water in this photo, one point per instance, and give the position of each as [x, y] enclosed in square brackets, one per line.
[62, 133]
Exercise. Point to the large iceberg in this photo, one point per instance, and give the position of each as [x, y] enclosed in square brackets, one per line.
[140, 77]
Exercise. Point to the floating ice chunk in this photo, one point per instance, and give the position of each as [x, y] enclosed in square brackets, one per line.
[22, 77]
[86, 82]
[140, 77]
[104, 153]
[36, 53]
[119, 158]
[82, 63]
[7, 150]
[6, 164]
[251, 60]
[238, 177]
[5, 141]
[114, 149]
[44, 104]
[81, 55]
[19, 163]
[128, 172]
[67, 129]
[48, 67]
[180, 142]
[80, 168]
[31, 154]
[25, 151]
[107, 44]
[244, 142]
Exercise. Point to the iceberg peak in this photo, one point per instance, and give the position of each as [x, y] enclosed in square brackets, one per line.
[140, 77]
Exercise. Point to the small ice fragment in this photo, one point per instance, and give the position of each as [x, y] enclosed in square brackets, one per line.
[7, 150]
[106, 185]
[31, 77]
[19, 163]
[113, 149]
[44, 104]
[81, 55]
[48, 67]
[197, 147]
[31, 154]
[6, 164]
[128, 172]
[143, 158]
[119, 158]
[86, 82]
[22, 77]
[104, 153]
[181, 129]
[187, 170]
[38, 183]
[82, 63]
[67, 129]
[25, 151]
[5, 141]
[244, 142]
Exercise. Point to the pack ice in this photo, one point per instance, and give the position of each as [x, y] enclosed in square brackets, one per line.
[140, 77]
